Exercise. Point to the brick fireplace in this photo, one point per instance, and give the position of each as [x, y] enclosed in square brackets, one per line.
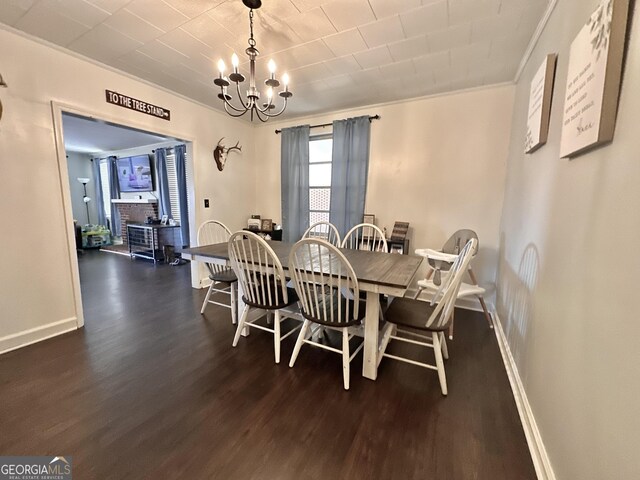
[134, 210]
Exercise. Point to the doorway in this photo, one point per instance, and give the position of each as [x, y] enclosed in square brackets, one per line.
[112, 176]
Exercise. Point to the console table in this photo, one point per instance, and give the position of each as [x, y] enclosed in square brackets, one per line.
[147, 240]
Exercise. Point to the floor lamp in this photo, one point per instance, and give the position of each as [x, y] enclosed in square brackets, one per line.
[86, 199]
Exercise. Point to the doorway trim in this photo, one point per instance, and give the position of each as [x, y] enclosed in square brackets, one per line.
[57, 109]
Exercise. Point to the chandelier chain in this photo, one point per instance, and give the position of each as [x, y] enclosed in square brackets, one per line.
[252, 42]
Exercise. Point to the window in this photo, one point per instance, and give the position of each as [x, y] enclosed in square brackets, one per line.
[320, 150]
[106, 190]
[172, 177]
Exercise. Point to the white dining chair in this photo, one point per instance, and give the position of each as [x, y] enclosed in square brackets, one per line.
[321, 274]
[325, 231]
[223, 279]
[264, 286]
[440, 262]
[365, 236]
[406, 316]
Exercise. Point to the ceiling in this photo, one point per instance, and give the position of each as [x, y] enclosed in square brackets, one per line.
[339, 53]
[86, 135]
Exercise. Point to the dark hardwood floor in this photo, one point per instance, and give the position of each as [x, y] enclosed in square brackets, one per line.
[152, 389]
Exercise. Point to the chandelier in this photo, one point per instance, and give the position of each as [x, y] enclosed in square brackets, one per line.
[253, 95]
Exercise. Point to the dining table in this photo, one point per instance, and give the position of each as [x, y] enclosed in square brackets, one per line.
[377, 273]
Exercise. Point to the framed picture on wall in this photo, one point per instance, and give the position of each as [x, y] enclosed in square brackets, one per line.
[539, 113]
[593, 79]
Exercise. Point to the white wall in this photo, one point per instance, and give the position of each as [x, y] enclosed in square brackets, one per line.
[569, 271]
[36, 288]
[438, 163]
[79, 166]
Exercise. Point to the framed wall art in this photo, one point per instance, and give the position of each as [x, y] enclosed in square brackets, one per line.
[593, 79]
[540, 96]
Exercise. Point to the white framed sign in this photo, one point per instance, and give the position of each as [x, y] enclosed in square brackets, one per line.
[593, 79]
[540, 95]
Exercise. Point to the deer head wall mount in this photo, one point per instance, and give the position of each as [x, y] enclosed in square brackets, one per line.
[220, 153]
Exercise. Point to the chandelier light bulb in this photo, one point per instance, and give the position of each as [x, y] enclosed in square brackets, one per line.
[285, 79]
[250, 103]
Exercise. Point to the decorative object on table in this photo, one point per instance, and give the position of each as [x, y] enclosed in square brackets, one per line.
[254, 223]
[253, 95]
[220, 153]
[266, 225]
[371, 219]
[593, 79]
[164, 220]
[95, 236]
[540, 95]
[85, 198]
[3, 84]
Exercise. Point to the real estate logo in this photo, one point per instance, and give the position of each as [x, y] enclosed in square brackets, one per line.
[35, 468]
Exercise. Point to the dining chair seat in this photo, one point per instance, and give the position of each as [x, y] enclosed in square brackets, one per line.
[410, 313]
[224, 276]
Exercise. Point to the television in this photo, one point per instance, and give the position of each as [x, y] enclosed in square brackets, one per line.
[135, 174]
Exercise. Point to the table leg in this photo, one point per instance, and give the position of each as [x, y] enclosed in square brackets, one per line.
[370, 360]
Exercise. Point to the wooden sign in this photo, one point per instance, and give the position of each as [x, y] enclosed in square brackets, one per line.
[540, 96]
[593, 79]
[131, 103]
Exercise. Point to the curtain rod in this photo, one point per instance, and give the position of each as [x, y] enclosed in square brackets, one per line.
[322, 125]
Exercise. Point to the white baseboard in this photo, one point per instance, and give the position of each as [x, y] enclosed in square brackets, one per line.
[33, 335]
[541, 462]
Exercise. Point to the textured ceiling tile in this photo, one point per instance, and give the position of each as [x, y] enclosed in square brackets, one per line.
[398, 70]
[207, 30]
[79, 10]
[186, 44]
[12, 10]
[48, 24]
[344, 43]
[410, 48]
[349, 14]
[162, 53]
[306, 5]
[346, 64]
[474, 55]
[312, 52]
[432, 62]
[496, 26]
[104, 43]
[462, 11]
[158, 13]
[451, 37]
[386, 8]
[110, 6]
[374, 57]
[311, 73]
[311, 24]
[426, 19]
[133, 26]
[193, 8]
[382, 32]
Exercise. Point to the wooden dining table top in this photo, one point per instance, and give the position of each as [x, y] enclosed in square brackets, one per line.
[380, 268]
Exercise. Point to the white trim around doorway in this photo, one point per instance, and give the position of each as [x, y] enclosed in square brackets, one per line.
[57, 109]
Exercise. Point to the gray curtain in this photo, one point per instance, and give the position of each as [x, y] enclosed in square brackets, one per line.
[350, 165]
[295, 182]
[181, 173]
[114, 188]
[164, 199]
[95, 167]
